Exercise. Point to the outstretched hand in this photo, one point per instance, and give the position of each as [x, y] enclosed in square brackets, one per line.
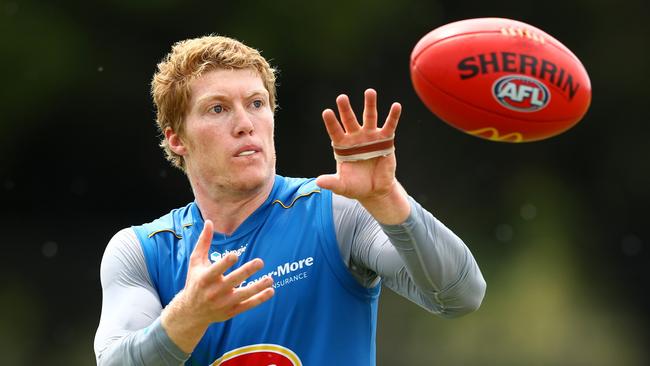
[210, 295]
[217, 296]
[362, 179]
[372, 181]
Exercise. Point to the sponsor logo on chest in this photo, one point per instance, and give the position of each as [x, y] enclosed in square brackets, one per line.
[286, 273]
[215, 256]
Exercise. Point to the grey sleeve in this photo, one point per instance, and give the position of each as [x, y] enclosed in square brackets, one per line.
[420, 259]
[129, 331]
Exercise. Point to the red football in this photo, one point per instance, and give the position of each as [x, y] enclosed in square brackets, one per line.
[500, 79]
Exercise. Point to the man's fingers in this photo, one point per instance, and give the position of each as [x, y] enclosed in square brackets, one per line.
[370, 109]
[393, 118]
[245, 292]
[329, 181]
[348, 118]
[219, 267]
[236, 277]
[334, 128]
[253, 301]
[200, 252]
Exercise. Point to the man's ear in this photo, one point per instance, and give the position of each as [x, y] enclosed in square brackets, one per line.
[175, 142]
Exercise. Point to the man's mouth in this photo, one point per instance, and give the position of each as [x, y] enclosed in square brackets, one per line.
[247, 150]
[247, 153]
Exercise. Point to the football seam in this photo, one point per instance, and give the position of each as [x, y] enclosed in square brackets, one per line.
[553, 42]
[415, 57]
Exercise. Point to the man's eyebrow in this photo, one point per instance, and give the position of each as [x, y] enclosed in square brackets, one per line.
[209, 97]
[257, 92]
[218, 96]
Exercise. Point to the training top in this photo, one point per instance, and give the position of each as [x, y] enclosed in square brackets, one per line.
[324, 309]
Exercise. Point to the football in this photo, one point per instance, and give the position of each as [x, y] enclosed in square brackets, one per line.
[500, 79]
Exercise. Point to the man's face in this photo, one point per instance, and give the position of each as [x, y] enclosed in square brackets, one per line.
[229, 132]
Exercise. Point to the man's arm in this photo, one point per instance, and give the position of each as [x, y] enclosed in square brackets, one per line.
[134, 328]
[129, 331]
[420, 259]
[365, 172]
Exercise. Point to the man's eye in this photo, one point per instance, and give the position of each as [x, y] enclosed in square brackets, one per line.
[217, 108]
[257, 104]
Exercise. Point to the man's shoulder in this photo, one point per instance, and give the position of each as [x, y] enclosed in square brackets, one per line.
[298, 183]
[172, 222]
[295, 188]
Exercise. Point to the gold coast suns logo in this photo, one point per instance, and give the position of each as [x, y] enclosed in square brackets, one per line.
[259, 355]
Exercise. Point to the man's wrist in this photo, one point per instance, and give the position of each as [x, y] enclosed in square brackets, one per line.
[392, 208]
[166, 344]
[184, 329]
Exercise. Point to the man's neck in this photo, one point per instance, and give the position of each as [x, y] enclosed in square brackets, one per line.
[228, 210]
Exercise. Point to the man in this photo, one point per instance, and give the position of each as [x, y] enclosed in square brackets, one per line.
[261, 269]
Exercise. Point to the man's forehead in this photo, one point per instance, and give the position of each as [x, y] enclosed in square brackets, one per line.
[223, 75]
[227, 82]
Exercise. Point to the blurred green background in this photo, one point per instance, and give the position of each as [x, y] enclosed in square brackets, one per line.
[559, 227]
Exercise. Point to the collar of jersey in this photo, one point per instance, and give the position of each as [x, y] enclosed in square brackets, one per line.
[251, 222]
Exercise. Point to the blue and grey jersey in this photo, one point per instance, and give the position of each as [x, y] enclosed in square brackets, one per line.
[327, 257]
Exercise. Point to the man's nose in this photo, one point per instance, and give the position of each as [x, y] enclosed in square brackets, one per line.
[242, 122]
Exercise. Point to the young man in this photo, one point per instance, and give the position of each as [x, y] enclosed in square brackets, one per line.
[261, 269]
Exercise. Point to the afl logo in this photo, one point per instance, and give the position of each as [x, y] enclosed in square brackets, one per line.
[521, 93]
[259, 355]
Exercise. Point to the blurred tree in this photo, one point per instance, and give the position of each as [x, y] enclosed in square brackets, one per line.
[558, 227]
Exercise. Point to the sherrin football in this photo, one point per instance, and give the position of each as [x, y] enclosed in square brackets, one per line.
[500, 79]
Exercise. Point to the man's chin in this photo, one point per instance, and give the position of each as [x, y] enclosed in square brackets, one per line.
[254, 181]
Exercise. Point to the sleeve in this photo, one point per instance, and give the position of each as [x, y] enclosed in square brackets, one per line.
[129, 331]
[420, 259]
